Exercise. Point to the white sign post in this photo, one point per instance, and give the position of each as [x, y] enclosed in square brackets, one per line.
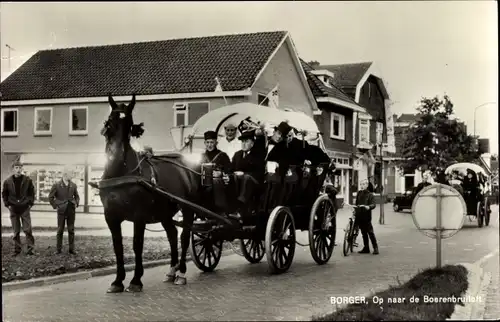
[439, 212]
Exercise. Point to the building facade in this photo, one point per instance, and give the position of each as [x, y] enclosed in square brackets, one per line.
[373, 130]
[51, 116]
[335, 120]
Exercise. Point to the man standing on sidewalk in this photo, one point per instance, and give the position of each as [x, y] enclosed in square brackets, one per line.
[64, 197]
[366, 201]
[18, 195]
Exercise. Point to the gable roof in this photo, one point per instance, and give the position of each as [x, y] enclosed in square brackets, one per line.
[348, 75]
[407, 118]
[145, 68]
[319, 89]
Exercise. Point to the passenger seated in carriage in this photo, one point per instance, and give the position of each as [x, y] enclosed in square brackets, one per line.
[221, 165]
[213, 155]
[471, 191]
[248, 165]
[288, 150]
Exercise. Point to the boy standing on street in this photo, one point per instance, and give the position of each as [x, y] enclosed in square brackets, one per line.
[18, 196]
[366, 201]
[64, 197]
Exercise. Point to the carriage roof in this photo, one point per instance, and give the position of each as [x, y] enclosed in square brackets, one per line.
[461, 166]
[268, 116]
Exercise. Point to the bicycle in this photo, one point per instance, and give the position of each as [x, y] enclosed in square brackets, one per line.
[351, 232]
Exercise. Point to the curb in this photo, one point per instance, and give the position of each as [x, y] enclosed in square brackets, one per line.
[43, 281]
[475, 278]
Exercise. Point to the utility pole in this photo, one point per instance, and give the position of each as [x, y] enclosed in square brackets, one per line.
[381, 219]
[8, 54]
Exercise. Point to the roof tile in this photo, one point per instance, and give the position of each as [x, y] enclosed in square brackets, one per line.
[145, 68]
[319, 89]
[347, 75]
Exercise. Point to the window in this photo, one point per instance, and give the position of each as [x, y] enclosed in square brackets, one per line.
[78, 120]
[10, 120]
[364, 131]
[337, 126]
[42, 122]
[262, 100]
[186, 114]
[380, 131]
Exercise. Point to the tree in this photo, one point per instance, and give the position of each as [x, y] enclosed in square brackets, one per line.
[437, 139]
[314, 63]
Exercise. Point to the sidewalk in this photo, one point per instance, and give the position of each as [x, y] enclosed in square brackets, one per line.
[393, 221]
[492, 307]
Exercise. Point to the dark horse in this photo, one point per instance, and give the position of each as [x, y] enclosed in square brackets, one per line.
[125, 198]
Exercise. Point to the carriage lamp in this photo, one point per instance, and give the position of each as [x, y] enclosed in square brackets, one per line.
[271, 166]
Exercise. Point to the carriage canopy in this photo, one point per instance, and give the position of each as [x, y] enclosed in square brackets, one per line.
[464, 166]
[268, 116]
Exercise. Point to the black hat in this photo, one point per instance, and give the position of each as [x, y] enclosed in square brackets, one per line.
[247, 135]
[210, 135]
[284, 128]
[246, 125]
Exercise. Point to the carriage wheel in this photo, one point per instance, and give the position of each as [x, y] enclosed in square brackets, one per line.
[280, 240]
[487, 211]
[479, 214]
[205, 251]
[322, 230]
[253, 250]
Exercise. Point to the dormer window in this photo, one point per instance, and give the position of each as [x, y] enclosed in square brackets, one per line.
[325, 76]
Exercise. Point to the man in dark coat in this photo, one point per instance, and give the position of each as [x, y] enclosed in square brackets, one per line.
[249, 165]
[289, 150]
[65, 199]
[366, 201]
[217, 199]
[471, 191]
[213, 155]
[18, 196]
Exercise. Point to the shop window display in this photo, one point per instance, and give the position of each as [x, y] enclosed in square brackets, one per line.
[45, 176]
[95, 174]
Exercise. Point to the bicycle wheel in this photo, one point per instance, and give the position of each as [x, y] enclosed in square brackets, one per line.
[347, 245]
[354, 236]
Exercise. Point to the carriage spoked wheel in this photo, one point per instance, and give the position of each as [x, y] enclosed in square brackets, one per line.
[205, 251]
[479, 214]
[280, 240]
[322, 230]
[487, 211]
[253, 250]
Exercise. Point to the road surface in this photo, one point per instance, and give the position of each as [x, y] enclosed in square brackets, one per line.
[241, 291]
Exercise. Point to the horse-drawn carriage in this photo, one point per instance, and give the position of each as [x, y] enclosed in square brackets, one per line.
[281, 206]
[473, 189]
[145, 188]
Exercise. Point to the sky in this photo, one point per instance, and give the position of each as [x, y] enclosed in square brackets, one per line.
[421, 49]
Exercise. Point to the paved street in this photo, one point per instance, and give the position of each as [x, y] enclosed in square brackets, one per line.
[240, 291]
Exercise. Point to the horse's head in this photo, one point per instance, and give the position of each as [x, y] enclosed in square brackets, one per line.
[118, 129]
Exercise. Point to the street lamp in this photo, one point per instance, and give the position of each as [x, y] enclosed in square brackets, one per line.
[475, 110]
